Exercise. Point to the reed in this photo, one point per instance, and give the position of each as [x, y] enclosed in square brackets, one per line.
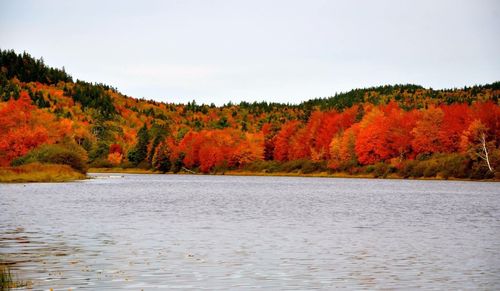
[7, 280]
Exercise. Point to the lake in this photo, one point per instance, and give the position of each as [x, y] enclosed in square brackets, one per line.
[156, 232]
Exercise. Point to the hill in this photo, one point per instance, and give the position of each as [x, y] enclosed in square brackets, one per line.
[404, 130]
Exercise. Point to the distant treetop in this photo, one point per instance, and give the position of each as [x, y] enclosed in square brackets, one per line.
[27, 69]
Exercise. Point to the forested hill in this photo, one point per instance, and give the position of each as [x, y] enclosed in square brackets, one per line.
[403, 129]
[27, 69]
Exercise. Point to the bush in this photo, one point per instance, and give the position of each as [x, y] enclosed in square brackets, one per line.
[431, 168]
[369, 169]
[145, 165]
[313, 167]
[443, 165]
[295, 166]
[353, 170]
[454, 165]
[68, 154]
[291, 166]
[480, 171]
[302, 166]
[177, 164]
[99, 151]
[423, 156]
[382, 170]
[127, 165]
[418, 170]
[259, 166]
[348, 166]
[407, 168]
[273, 167]
[101, 163]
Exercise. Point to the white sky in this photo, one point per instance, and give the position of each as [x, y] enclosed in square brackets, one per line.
[285, 51]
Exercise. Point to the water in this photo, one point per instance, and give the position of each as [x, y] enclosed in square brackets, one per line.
[156, 232]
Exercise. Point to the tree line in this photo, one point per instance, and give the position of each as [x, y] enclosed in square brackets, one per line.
[404, 130]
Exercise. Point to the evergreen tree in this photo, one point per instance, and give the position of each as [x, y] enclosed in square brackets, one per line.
[157, 134]
[140, 151]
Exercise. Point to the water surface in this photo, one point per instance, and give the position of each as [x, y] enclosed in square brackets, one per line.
[156, 232]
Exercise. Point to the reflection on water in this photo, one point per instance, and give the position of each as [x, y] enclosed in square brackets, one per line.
[218, 232]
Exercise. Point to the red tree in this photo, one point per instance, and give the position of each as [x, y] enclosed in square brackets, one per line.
[19, 134]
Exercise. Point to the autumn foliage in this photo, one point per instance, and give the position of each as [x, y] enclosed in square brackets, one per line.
[24, 127]
[403, 129]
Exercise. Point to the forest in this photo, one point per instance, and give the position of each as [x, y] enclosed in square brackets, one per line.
[405, 131]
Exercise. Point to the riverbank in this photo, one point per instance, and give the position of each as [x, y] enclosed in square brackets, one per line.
[122, 170]
[36, 172]
[285, 174]
[345, 175]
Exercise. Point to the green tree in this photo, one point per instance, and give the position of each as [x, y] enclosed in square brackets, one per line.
[140, 151]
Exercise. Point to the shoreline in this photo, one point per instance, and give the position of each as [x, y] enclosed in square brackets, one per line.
[121, 171]
[51, 173]
[281, 174]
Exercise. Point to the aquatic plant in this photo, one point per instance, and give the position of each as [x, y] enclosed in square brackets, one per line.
[8, 281]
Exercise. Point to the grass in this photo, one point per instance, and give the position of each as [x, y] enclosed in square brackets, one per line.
[7, 281]
[36, 172]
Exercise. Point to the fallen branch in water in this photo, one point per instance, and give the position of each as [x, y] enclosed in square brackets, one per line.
[188, 170]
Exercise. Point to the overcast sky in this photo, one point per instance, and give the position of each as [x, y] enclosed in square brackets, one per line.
[287, 51]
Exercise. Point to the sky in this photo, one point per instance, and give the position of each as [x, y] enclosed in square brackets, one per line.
[281, 51]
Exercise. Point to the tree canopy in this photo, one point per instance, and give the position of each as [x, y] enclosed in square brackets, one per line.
[405, 129]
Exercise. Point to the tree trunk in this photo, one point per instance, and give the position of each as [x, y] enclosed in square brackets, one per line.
[485, 150]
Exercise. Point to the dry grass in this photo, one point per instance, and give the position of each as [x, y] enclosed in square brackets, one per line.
[36, 172]
[7, 281]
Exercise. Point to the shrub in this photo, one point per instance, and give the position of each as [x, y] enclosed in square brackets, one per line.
[177, 163]
[291, 166]
[480, 171]
[297, 166]
[302, 166]
[431, 168]
[407, 168]
[127, 165]
[260, 166]
[444, 165]
[454, 165]
[354, 170]
[101, 163]
[369, 169]
[382, 170]
[145, 165]
[99, 151]
[348, 165]
[68, 154]
[313, 167]
[273, 167]
[418, 169]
